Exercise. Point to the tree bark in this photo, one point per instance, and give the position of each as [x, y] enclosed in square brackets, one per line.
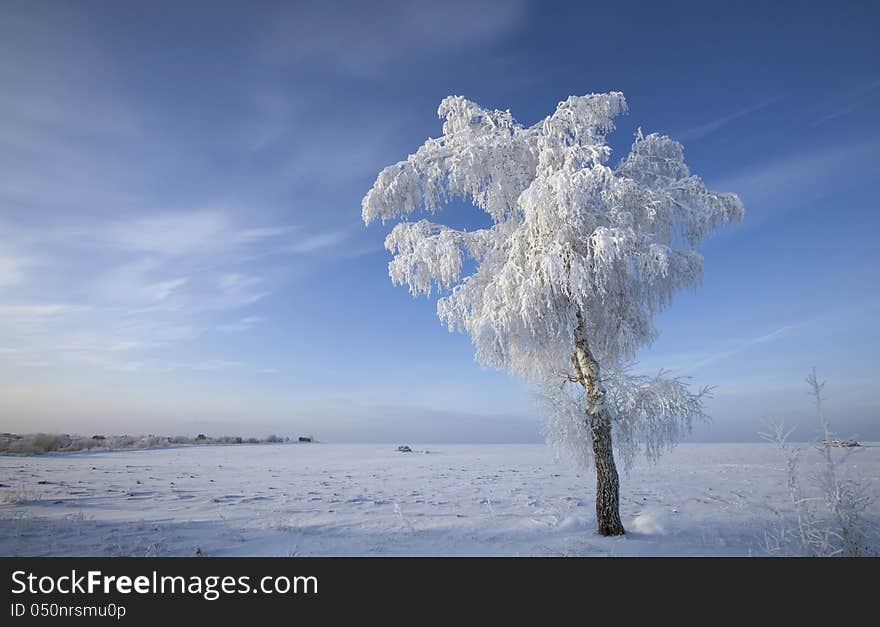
[586, 370]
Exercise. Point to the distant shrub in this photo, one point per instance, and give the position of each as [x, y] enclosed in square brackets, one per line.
[46, 442]
[152, 441]
[18, 495]
[228, 439]
[80, 444]
[32, 444]
[120, 441]
[830, 510]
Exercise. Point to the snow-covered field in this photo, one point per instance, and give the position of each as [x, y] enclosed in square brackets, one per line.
[334, 499]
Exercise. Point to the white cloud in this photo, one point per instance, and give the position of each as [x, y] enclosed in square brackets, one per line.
[235, 282]
[104, 269]
[245, 324]
[135, 284]
[173, 234]
[150, 283]
[163, 289]
[247, 236]
[29, 311]
[184, 234]
[319, 241]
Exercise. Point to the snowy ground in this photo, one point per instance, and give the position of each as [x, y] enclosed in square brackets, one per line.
[333, 499]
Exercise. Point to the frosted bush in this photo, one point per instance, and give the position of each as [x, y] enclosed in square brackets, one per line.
[829, 506]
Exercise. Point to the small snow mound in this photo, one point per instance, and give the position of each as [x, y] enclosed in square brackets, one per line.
[649, 522]
[576, 523]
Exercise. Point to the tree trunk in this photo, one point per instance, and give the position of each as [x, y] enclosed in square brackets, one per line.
[586, 369]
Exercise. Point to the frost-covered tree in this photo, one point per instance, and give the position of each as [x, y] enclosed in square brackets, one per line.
[579, 257]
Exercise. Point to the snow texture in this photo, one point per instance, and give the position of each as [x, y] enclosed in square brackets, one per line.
[335, 499]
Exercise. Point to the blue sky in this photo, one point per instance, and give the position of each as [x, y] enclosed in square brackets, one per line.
[180, 191]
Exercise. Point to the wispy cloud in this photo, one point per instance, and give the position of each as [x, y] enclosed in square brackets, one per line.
[115, 255]
[146, 284]
[171, 234]
[69, 137]
[142, 282]
[245, 324]
[740, 347]
[318, 241]
[163, 289]
[365, 46]
[849, 101]
[692, 362]
[11, 311]
[257, 234]
[712, 126]
[180, 233]
[788, 181]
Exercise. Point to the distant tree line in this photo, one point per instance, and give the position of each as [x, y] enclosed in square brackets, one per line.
[38, 443]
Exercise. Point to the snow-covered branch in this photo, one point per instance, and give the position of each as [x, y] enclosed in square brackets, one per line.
[650, 414]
